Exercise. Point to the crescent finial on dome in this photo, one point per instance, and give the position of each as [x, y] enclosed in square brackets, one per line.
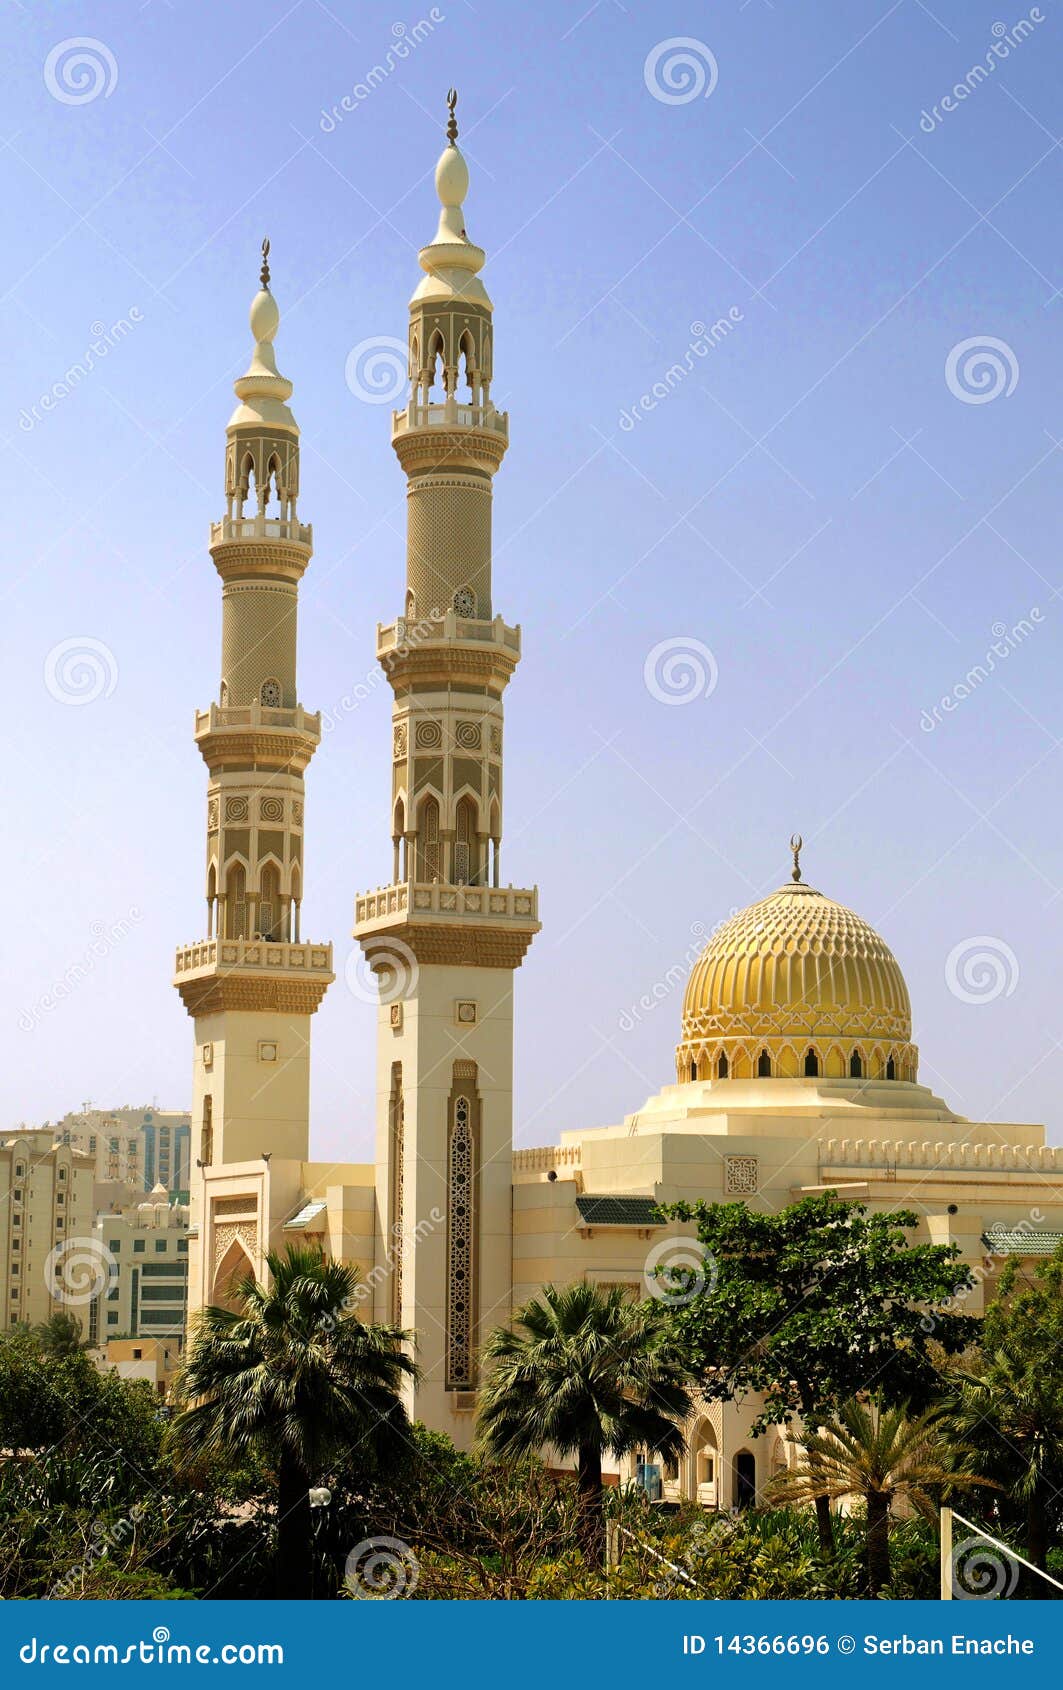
[796, 844]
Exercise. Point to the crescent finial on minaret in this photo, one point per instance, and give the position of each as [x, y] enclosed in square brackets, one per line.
[264, 272]
[796, 843]
[452, 122]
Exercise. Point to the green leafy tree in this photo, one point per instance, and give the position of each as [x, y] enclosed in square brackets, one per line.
[815, 1304]
[586, 1372]
[880, 1456]
[294, 1373]
[1010, 1404]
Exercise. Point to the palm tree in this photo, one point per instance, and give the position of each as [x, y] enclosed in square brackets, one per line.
[60, 1334]
[587, 1372]
[293, 1373]
[1012, 1413]
[881, 1455]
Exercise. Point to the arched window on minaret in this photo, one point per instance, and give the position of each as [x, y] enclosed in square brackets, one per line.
[467, 365]
[398, 841]
[435, 366]
[206, 1137]
[428, 840]
[245, 482]
[236, 902]
[269, 903]
[466, 845]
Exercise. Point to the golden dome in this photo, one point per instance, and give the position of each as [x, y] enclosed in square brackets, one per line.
[796, 985]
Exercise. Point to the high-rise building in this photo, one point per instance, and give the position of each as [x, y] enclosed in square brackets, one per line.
[47, 1262]
[167, 1138]
[145, 1247]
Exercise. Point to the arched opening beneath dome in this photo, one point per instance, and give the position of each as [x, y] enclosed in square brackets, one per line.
[856, 1066]
[891, 1069]
[693, 1071]
[722, 1066]
[764, 1066]
[811, 1065]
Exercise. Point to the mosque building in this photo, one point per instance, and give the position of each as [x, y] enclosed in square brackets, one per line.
[795, 1067]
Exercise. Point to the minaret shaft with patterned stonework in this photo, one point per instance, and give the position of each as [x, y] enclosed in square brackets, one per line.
[445, 936]
[252, 984]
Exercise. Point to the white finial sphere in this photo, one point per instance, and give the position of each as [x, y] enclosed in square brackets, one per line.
[265, 316]
[452, 177]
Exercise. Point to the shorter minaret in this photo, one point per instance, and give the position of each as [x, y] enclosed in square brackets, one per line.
[253, 984]
[447, 936]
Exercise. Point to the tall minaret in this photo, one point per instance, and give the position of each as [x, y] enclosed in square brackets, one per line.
[252, 984]
[445, 937]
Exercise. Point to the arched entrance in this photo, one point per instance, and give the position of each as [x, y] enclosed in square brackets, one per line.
[705, 1466]
[745, 1479]
[234, 1266]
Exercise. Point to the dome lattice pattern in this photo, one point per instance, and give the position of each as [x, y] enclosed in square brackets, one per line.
[796, 985]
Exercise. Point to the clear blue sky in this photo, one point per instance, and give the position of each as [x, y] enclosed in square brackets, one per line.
[813, 502]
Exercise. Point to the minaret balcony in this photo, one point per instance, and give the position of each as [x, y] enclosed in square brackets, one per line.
[261, 527]
[271, 739]
[435, 901]
[408, 633]
[450, 414]
[256, 715]
[264, 956]
[252, 974]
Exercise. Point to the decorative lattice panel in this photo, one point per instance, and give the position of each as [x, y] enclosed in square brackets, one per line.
[740, 1174]
[461, 1248]
[258, 639]
[449, 542]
